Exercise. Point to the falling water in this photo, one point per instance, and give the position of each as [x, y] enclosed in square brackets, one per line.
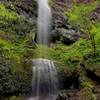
[45, 78]
[45, 81]
[44, 22]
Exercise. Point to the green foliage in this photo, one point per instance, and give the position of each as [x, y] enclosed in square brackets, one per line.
[69, 56]
[16, 98]
[43, 52]
[80, 15]
[96, 31]
[13, 98]
[13, 25]
[72, 55]
[93, 63]
[6, 15]
[17, 51]
[52, 2]
[15, 64]
[88, 88]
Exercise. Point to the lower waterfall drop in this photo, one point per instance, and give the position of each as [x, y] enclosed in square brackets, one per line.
[45, 80]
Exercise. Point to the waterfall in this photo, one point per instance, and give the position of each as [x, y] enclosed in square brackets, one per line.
[44, 22]
[45, 81]
[45, 78]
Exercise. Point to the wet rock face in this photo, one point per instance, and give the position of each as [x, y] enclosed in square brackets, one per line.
[60, 97]
[61, 29]
[84, 1]
[25, 22]
[74, 95]
[96, 14]
[94, 74]
[27, 8]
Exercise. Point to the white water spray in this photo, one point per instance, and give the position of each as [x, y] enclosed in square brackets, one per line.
[44, 22]
[45, 78]
[45, 81]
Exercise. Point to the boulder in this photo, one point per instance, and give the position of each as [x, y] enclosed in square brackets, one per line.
[96, 14]
[62, 30]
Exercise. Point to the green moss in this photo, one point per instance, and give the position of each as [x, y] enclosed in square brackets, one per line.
[96, 31]
[72, 55]
[15, 60]
[80, 15]
[5, 14]
[16, 98]
[69, 56]
[17, 49]
[43, 52]
[12, 24]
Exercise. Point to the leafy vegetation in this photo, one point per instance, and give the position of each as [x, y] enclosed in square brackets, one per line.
[80, 16]
[6, 14]
[17, 48]
[14, 51]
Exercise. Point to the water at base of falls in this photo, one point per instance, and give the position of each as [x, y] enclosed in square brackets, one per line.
[45, 80]
[53, 97]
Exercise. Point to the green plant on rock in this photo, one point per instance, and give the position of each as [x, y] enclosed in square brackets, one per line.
[16, 98]
[69, 56]
[5, 14]
[80, 17]
[15, 66]
[88, 88]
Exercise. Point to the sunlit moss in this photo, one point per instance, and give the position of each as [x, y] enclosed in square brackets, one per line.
[6, 14]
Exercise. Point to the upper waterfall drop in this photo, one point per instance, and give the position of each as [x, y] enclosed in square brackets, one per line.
[44, 22]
